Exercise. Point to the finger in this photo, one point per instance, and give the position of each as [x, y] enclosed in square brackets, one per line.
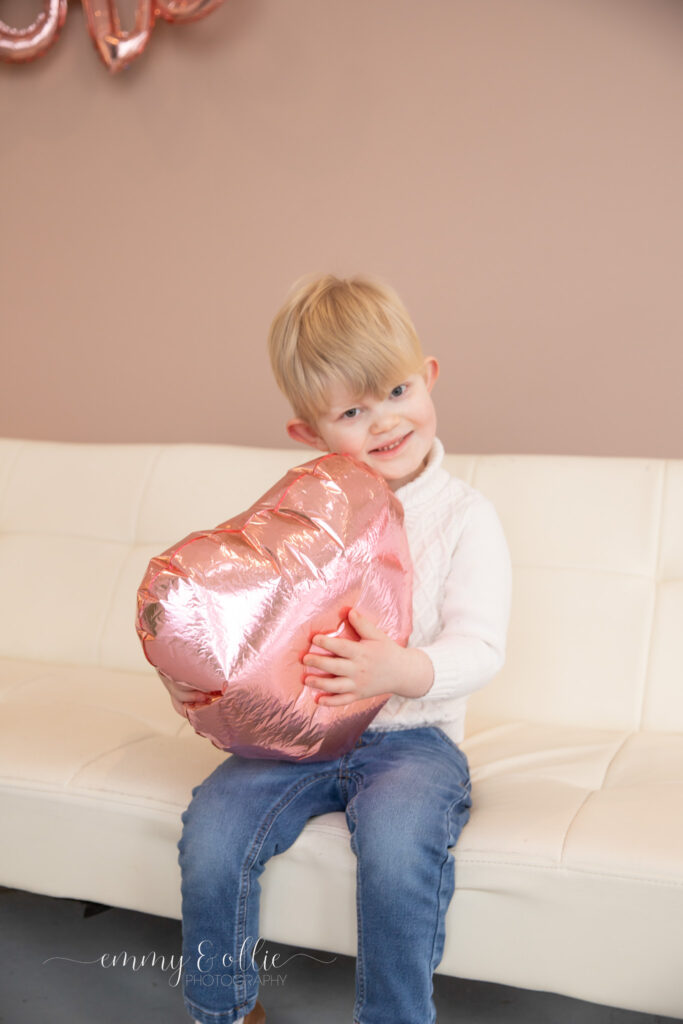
[179, 706]
[335, 700]
[363, 626]
[339, 646]
[333, 666]
[182, 691]
[337, 684]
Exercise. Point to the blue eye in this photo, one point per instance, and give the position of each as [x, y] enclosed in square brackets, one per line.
[350, 414]
[398, 390]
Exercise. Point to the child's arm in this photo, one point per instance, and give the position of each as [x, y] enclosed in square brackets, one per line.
[470, 648]
[475, 613]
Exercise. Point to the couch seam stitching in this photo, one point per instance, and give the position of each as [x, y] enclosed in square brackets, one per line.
[130, 547]
[154, 462]
[94, 795]
[655, 603]
[10, 472]
[592, 793]
[104, 753]
[476, 862]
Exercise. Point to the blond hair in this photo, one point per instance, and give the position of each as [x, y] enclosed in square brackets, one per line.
[353, 331]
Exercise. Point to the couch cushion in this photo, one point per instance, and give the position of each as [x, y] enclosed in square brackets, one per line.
[81, 731]
[545, 795]
[597, 551]
[573, 832]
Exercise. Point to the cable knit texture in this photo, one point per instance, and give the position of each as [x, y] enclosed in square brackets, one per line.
[462, 582]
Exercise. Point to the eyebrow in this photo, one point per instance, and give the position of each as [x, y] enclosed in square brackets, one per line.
[337, 410]
[343, 408]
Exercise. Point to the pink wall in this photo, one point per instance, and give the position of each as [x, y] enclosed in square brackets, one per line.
[514, 169]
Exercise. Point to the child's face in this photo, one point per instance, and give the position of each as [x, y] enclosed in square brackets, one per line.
[392, 434]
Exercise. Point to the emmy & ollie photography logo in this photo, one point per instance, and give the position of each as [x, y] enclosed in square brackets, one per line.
[207, 968]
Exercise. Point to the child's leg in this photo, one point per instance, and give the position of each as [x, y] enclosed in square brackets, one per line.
[409, 797]
[244, 813]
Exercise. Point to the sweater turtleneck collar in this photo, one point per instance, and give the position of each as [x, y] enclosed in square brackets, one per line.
[430, 481]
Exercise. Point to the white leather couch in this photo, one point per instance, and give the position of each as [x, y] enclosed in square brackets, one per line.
[570, 871]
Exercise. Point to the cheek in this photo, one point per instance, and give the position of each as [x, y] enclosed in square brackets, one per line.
[342, 441]
[429, 415]
[351, 436]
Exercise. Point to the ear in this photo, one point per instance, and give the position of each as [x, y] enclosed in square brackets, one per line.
[430, 371]
[300, 430]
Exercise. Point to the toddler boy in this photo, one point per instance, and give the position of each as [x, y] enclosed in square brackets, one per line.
[346, 355]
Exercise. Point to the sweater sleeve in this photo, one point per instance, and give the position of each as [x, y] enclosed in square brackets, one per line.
[470, 648]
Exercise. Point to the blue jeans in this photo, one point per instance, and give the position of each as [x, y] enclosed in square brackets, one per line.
[406, 795]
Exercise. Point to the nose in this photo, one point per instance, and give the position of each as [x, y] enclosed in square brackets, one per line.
[385, 419]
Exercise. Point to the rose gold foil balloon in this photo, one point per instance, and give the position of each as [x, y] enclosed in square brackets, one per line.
[117, 47]
[185, 10]
[17, 45]
[230, 612]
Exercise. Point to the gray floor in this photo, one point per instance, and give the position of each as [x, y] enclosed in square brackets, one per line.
[46, 943]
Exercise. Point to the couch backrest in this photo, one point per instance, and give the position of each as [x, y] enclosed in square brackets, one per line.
[597, 550]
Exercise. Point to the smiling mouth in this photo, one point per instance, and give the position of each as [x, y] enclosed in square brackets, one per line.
[393, 446]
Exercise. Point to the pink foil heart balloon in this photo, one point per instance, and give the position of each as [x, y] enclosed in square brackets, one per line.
[232, 611]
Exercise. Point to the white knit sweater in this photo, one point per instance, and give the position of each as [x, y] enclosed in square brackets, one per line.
[462, 583]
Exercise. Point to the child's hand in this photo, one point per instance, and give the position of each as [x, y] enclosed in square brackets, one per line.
[182, 693]
[374, 664]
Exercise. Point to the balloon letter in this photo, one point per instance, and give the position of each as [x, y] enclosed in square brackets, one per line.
[116, 47]
[21, 44]
[186, 10]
